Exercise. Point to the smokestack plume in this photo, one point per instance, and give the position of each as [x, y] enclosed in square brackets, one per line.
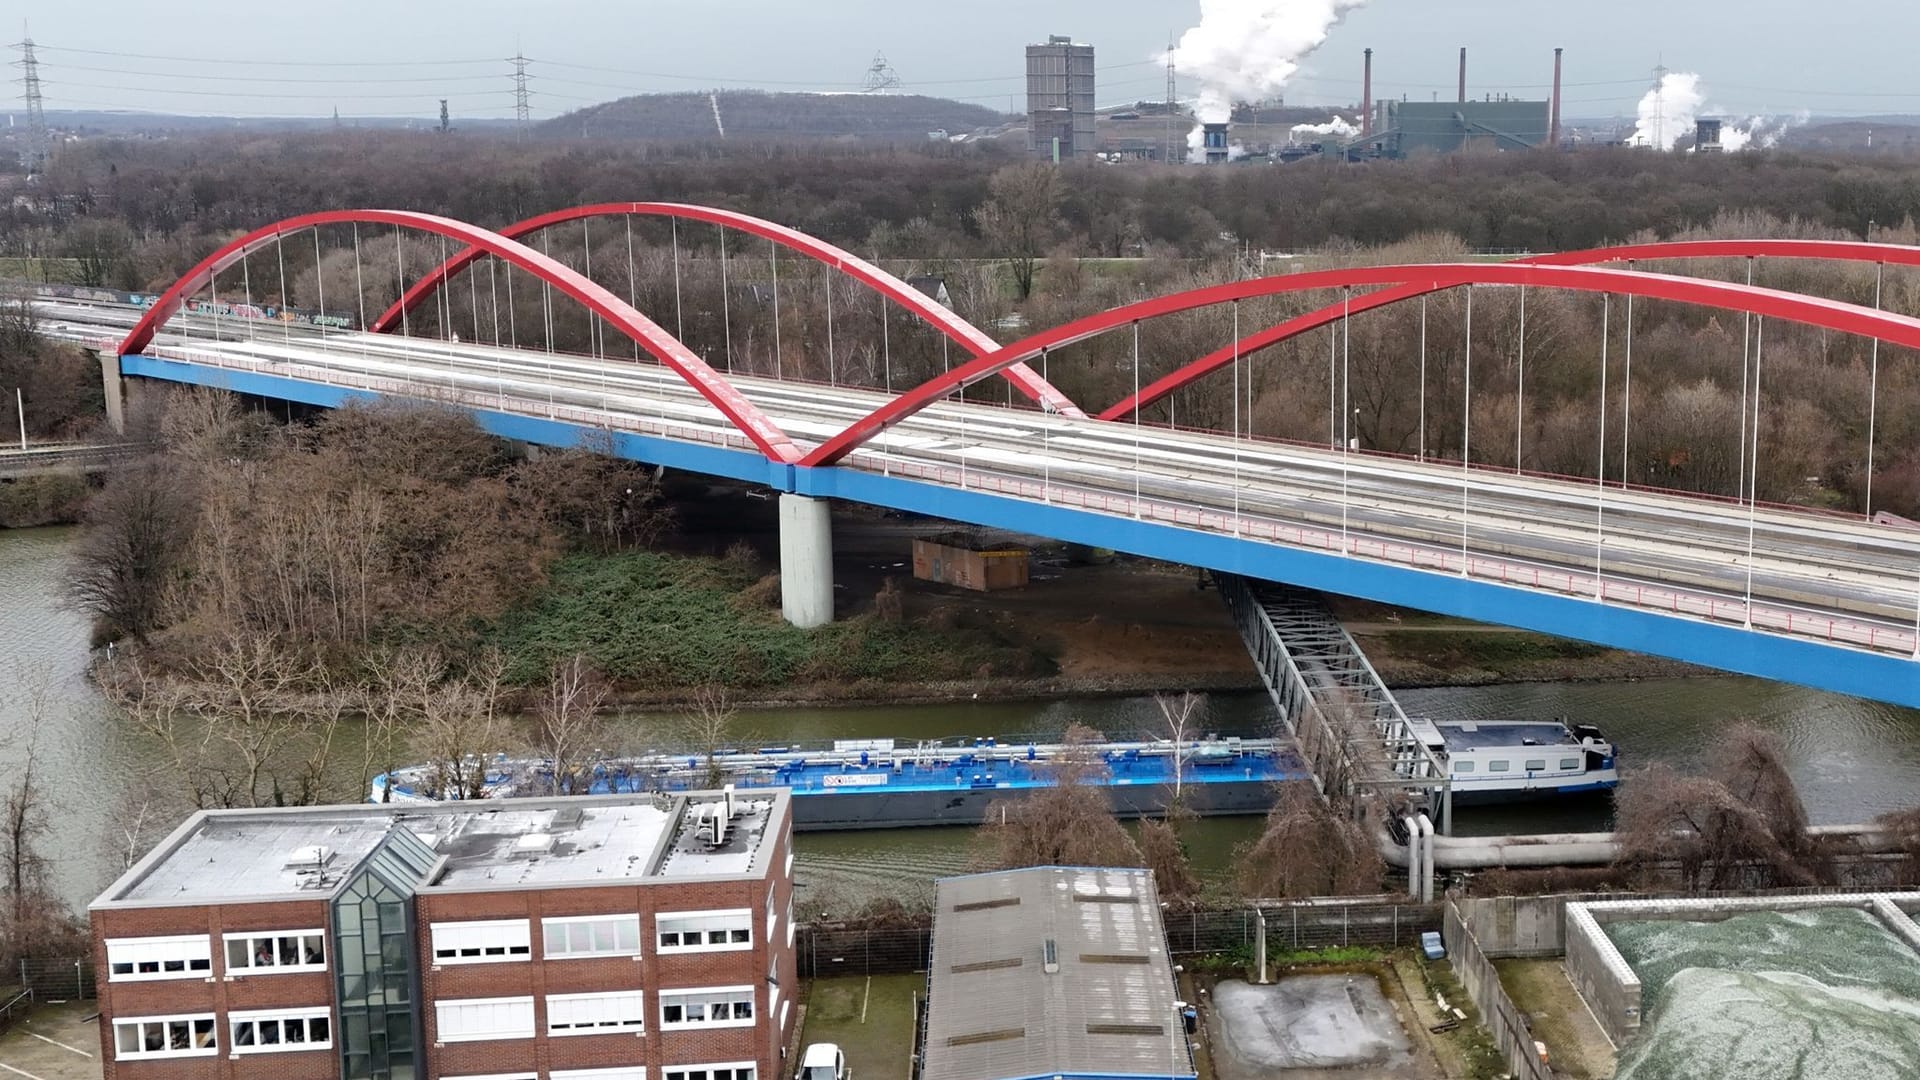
[1366, 97]
[1463, 74]
[1553, 127]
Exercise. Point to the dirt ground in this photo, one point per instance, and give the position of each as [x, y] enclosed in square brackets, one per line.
[1576, 1047]
[1110, 625]
[1324, 1025]
[54, 1042]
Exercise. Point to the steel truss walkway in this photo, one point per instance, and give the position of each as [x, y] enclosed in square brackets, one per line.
[1351, 731]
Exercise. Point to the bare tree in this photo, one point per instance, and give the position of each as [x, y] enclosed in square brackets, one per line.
[136, 535]
[34, 919]
[240, 724]
[1180, 718]
[569, 725]
[1021, 220]
[1741, 824]
[1163, 852]
[1308, 850]
[460, 726]
[1067, 823]
[708, 726]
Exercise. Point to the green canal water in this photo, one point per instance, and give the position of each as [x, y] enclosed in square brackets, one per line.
[1853, 759]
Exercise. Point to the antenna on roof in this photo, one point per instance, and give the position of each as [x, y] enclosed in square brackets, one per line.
[880, 75]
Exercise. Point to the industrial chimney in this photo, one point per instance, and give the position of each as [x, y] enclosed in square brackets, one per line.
[1366, 97]
[1553, 126]
[1463, 74]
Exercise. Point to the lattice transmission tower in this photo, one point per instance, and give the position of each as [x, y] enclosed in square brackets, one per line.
[880, 75]
[34, 154]
[522, 97]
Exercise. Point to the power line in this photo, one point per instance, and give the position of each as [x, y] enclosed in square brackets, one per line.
[242, 62]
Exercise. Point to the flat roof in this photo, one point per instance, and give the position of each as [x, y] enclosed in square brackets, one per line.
[1051, 971]
[287, 853]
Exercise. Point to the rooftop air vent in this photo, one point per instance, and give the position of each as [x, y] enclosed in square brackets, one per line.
[312, 857]
[567, 817]
[1050, 958]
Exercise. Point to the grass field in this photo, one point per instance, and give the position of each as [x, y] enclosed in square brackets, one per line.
[870, 1018]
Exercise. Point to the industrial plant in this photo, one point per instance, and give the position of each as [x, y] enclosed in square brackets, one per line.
[1064, 123]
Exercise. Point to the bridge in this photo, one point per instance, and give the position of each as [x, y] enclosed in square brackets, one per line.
[1826, 600]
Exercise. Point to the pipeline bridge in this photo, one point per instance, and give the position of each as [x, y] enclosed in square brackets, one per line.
[1823, 599]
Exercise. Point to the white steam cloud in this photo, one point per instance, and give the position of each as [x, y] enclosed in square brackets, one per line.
[1668, 112]
[1244, 50]
[1335, 126]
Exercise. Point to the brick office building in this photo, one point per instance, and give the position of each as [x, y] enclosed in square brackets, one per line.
[602, 938]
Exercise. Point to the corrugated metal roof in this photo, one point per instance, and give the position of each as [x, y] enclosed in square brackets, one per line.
[995, 1009]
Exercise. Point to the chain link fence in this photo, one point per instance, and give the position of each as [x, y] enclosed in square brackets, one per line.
[826, 949]
[57, 979]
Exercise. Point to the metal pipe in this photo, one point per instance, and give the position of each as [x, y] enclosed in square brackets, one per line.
[1426, 858]
[1553, 124]
[1463, 74]
[1366, 96]
[1412, 858]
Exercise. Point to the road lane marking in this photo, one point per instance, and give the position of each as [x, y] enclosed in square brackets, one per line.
[22, 1072]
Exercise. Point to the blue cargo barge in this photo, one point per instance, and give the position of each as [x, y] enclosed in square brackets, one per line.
[880, 783]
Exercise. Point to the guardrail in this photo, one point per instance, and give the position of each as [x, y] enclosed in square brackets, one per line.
[17, 463]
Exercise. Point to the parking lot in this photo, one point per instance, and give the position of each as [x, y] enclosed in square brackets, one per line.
[54, 1042]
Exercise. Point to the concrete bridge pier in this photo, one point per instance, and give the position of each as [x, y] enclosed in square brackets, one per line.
[806, 561]
[114, 388]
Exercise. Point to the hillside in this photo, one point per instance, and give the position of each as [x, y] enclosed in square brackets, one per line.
[759, 114]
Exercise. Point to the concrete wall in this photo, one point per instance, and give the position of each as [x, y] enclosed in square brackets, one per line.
[1610, 986]
[1518, 925]
[983, 571]
[1602, 976]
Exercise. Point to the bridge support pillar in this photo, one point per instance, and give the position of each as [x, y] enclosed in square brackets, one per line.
[114, 389]
[806, 561]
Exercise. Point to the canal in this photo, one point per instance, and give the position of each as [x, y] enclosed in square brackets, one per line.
[1853, 759]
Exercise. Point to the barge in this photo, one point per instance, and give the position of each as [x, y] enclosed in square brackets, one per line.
[884, 783]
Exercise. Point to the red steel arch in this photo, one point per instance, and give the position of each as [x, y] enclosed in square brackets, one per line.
[1834, 250]
[1793, 307]
[747, 417]
[960, 331]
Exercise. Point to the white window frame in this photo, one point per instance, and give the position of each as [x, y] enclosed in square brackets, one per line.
[1569, 764]
[745, 915]
[455, 932]
[253, 937]
[190, 1019]
[440, 1026]
[1534, 765]
[282, 1045]
[792, 925]
[182, 949]
[1462, 766]
[679, 1072]
[773, 913]
[638, 1025]
[495, 1076]
[708, 997]
[549, 925]
[1504, 765]
[617, 1072]
[788, 873]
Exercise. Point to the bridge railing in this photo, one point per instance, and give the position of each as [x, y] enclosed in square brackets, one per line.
[1836, 630]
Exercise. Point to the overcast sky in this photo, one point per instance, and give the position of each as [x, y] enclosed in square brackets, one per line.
[398, 57]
